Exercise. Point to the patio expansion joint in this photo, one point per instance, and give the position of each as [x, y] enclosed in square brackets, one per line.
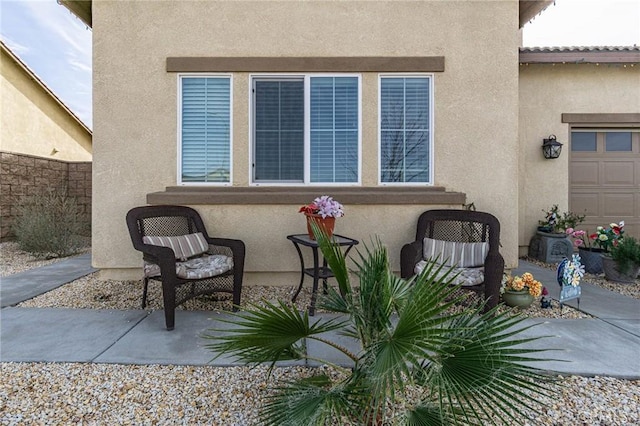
[609, 321]
[134, 325]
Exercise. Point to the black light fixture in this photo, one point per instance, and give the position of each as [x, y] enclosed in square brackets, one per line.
[551, 148]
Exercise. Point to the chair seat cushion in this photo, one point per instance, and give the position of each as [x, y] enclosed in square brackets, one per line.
[458, 254]
[467, 277]
[197, 268]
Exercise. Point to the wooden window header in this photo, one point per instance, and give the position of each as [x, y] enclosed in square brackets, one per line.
[594, 118]
[308, 64]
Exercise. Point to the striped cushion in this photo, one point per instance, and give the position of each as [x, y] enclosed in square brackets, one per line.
[193, 244]
[184, 246]
[172, 242]
[450, 253]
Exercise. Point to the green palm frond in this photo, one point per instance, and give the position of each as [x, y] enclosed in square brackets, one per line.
[268, 333]
[480, 367]
[431, 415]
[335, 260]
[313, 401]
[333, 302]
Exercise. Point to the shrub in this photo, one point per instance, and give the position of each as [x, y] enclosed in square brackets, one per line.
[462, 368]
[51, 224]
[626, 254]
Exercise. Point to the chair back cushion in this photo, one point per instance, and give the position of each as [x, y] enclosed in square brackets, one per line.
[461, 255]
[184, 246]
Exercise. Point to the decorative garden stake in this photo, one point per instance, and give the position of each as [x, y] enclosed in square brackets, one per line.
[570, 272]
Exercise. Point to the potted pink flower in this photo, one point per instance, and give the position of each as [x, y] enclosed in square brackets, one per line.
[323, 210]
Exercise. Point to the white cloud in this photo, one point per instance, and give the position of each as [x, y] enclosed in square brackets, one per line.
[17, 48]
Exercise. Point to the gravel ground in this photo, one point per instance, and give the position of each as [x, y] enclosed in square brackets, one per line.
[95, 394]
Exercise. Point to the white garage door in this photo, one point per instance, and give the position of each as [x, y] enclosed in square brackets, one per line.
[604, 177]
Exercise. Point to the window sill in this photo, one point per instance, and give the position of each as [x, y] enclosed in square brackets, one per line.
[301, 195]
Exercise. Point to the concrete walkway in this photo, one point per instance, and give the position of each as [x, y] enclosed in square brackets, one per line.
[607, 345]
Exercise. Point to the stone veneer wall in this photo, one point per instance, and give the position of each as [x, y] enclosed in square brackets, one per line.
[23, 175]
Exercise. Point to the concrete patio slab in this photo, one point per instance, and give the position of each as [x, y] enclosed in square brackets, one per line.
[25, 285]
[588, 347]
[61, 335]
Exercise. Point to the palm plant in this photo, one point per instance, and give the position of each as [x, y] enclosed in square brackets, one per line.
[464, 368]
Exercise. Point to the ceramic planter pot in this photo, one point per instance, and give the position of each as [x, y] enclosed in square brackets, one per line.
[591, 258]
[328, 224]
[611, 272]
[521, 299]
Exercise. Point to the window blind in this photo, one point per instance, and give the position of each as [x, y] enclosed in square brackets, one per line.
[205, 129]
[279, 130]
[404, 129]
[334, 129]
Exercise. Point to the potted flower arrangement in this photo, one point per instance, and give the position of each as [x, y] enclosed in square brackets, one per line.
[626, 255]
[550, 243]
[323, 210]
[589, 253]
[556, 223]
[520, 291]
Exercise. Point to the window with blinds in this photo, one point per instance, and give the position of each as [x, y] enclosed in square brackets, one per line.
[405, 129]
[306, 129]
[205, 129]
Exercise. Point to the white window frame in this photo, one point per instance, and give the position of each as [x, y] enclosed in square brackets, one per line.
[430, 76]
[179, 126]
[307, 127]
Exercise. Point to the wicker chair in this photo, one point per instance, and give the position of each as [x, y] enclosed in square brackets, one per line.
[177, 221]
[460, 226]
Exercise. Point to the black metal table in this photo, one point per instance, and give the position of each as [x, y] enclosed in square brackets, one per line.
[317, 272]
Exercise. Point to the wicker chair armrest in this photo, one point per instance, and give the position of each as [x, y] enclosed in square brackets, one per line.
[410, 255]
[164, 257]
[493, 271]
[237, 247]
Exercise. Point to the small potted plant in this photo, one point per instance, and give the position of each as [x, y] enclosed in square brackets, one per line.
[550, 244]
[589, 253]
[323, 210]
[557, 223]
[520, 291]
[626, 255]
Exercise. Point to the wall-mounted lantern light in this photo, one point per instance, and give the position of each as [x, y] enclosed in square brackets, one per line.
[551, 148]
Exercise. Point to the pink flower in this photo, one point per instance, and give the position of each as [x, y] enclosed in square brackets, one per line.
[545, 292]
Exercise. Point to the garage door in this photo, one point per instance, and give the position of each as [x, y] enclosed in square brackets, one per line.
[604, 177]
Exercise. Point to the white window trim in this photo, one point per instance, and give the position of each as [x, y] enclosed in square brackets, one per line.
[307, 128]
[431, 128]
[180, 76]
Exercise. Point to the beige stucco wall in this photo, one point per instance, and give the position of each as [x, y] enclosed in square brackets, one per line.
[546, 92]
[135, 109]
[34, 123]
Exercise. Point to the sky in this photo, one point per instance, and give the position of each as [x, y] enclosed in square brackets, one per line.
[57, 46]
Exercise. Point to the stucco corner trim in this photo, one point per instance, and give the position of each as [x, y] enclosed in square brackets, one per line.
[307, 64]
[302, 195]
[594, 118]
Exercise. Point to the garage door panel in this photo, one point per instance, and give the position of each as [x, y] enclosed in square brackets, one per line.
[618, 173]
[606, 183]
[586, 202]
[619, 205]
[584, 173]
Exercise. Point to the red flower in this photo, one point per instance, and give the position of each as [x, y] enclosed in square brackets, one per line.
[309, 209]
